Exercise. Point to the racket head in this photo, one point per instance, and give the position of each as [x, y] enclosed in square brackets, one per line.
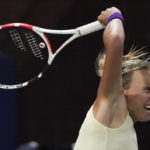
[27, 54]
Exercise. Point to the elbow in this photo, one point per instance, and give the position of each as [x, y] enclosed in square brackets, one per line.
[114, 40]
[114, 34]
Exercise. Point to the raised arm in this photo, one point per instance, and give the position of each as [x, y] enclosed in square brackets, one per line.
[110, 100]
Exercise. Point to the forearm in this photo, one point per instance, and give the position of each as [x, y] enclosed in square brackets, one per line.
[114, 32]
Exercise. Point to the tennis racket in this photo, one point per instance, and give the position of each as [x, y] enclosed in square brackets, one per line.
[24, 47]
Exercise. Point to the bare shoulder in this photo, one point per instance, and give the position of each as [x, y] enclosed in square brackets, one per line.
[111, 113]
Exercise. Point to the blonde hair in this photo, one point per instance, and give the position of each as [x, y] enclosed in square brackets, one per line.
[135, 59]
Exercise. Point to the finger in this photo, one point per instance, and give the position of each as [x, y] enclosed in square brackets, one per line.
[109, 9]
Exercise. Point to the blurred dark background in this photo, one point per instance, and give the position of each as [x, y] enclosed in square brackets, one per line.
[51, 110]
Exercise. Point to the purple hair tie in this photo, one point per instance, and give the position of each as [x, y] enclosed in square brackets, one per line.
[114, 16]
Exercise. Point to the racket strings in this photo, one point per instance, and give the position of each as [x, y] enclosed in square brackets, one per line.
[30, 42]
[34, 46]
[16, 38]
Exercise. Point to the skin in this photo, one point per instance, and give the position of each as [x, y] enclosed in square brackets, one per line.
[113, 102]
[138, 95]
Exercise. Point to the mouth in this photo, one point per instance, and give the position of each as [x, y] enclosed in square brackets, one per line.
[147, 107]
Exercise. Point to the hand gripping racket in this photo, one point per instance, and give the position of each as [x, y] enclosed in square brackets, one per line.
[26, 47]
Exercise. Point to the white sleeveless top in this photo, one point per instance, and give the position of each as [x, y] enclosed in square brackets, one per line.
[95, 136]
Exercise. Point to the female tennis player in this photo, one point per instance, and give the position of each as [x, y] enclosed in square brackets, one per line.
[123, 95]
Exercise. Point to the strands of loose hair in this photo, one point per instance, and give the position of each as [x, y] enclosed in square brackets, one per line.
[135, 59]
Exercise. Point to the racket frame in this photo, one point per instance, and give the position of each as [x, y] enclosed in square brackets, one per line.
[77, 32]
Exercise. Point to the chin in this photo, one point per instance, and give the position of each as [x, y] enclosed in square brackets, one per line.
[142, 116]
[146, 120]
[143, 119]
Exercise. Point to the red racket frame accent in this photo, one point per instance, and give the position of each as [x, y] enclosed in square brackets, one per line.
[26, 26]
[8, 25]
[48, 42]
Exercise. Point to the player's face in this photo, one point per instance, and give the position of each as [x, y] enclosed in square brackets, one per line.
[138, 95]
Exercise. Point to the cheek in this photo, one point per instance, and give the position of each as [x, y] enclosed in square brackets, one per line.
[135, 108]
[134, 102]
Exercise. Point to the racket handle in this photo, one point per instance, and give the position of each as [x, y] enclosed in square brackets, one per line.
[89, 28]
